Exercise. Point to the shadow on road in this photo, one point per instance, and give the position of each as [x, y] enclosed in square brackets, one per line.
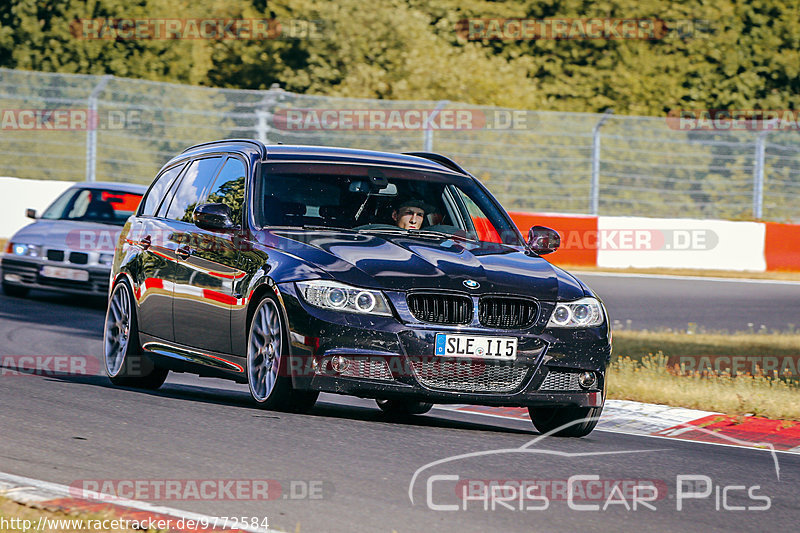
[241, 399]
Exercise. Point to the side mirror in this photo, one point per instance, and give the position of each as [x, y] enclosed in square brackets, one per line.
[543, 240]
[213, 217]
[30, 213]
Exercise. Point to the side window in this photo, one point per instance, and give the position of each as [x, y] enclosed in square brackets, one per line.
[195, 180]
[157, 191]
[228, 189]
[481, 223]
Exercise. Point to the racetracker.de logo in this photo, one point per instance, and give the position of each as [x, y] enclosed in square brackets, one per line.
[49, 365]
[640, 240]
[69, 119]
[148, 29]
[293, 119]
[734, 119]
[201, 489]
[526, 29]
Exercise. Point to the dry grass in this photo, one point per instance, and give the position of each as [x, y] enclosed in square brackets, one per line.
[651, 380]
[3, 245]
[10, 511]
[637, 344]
[779, 275]
[640, 371]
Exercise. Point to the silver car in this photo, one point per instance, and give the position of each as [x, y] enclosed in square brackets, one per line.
[70, 248]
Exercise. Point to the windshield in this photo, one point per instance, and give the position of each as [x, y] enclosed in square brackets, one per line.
[94, 205]
[382, 200]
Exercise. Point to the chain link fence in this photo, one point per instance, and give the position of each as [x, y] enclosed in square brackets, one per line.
[77, 127]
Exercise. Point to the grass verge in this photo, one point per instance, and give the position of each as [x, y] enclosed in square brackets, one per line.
[709, 371]
[651, 380]
[637, 344]
[15, 517]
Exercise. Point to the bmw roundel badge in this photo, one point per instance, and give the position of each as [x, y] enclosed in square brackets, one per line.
[471, 284]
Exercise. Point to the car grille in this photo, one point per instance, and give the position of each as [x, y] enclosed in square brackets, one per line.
[368, 369]
[78, 258]
[560, 381]
[55, 255]
[26, 271]
[469, 377]
[440, 308]
[506, 312]
[29, 274]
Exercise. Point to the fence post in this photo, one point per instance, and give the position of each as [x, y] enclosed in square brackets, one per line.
[91, 131]
[428, 146]
[263, 115]
[758, 170]
[594, 193]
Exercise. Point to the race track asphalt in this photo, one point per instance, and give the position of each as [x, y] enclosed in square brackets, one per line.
[358, 465]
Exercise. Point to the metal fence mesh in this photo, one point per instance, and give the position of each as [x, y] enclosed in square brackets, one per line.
[539, 161]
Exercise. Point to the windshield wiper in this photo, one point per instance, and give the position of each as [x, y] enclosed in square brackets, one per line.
[441, 234]
[423, 233]
[388, 231]
[326, 228]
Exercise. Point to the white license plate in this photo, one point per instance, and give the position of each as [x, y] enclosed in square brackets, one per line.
[497, 348]
[64, 273]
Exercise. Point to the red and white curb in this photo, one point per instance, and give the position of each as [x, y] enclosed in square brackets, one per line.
[635, 418]
[53, 496]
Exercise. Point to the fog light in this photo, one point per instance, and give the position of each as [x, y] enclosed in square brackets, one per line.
[587, 380]
[16, 278]
[339, 363]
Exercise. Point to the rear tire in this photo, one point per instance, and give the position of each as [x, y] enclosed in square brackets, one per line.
[403, 408]
[15, 290]
[546, 419]
[267, 362]
[125, 364]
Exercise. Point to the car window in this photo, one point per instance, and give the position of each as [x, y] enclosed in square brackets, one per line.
[195, 180]
[481, 223]
[228, 188]
[94, 205]
[365, 199]
[156, 193]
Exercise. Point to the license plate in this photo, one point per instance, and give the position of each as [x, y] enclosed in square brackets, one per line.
[496, 348]
[64, 273]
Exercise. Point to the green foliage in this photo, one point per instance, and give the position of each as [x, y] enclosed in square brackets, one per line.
[742, 55]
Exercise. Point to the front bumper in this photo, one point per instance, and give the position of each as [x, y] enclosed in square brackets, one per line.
[27, 272]
[383, 357]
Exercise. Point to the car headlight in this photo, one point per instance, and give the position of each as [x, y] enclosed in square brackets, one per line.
[30, 250]
[583, 313]
[340, 297]
[106, 259]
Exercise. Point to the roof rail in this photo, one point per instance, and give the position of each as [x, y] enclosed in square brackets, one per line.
[438, 158]
[257, 144]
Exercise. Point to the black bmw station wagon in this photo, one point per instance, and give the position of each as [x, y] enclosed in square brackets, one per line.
[398, 277]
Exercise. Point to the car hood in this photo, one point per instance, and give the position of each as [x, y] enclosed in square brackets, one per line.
[70, 234]
[403, 263]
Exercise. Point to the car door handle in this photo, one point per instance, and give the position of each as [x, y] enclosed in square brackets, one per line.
[183, 252]
[145, 243]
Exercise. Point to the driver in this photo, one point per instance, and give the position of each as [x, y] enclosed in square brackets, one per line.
[410, 213]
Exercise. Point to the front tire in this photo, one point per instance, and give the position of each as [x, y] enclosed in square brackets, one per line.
[125, 364]
[267, 361]
[582, 420]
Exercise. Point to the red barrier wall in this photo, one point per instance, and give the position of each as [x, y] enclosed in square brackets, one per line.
[577, 235]
[782, 246]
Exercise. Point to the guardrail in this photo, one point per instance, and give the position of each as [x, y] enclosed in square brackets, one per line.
[75, 127]
[611, 242]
